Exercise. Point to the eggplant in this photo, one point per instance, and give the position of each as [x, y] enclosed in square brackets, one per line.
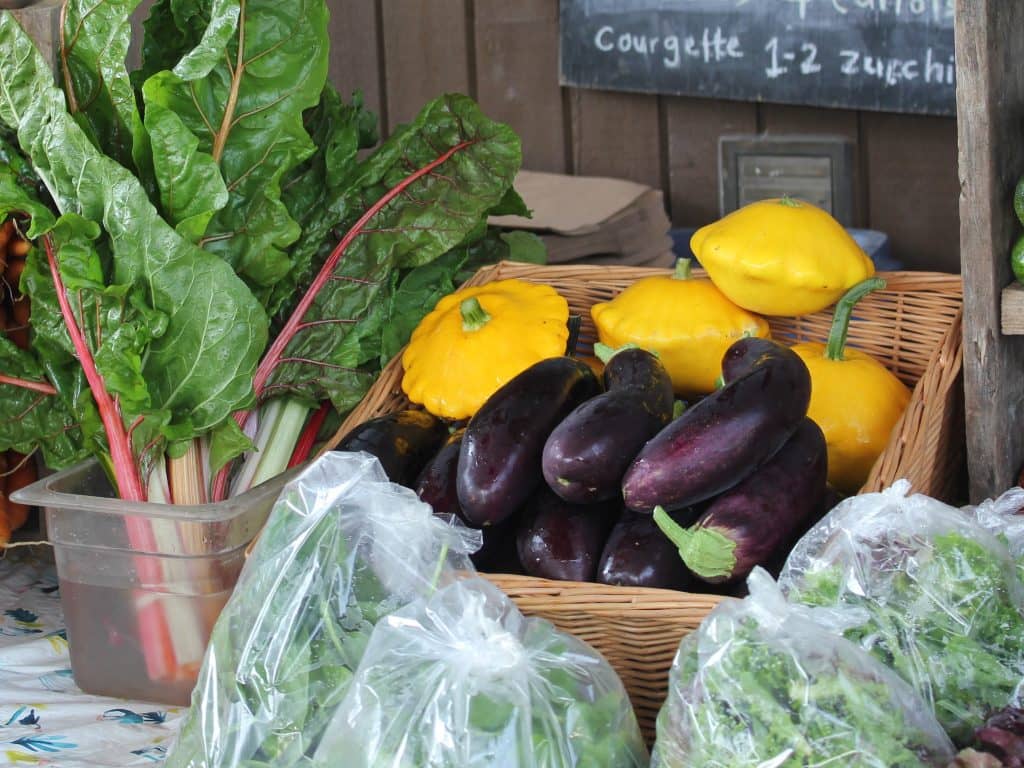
[726, 436]
[436, 486]
[587, 454]
[559, 540]
[403, 442]
[500, 550]
[436, 482]
[750, 523]
[500, 458]
[638, 554]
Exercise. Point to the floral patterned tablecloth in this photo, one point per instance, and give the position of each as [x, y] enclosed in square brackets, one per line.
[44, 718]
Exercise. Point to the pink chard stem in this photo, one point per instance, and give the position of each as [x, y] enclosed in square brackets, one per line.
[35, 386]
[129, 485]
[274, 354]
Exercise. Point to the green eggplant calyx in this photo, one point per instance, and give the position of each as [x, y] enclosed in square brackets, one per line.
[720, 381]
[844, 311]
[790, 202]
[474, 316]
[604, 353]
[682, 270]
[678, 408]
[706, 552]
[709, 553]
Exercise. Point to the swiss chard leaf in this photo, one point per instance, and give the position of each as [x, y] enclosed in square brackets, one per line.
[186, 36]
[436, 178]
[190, 184]
[31, 419]
[200, 370]
[339, 131]
[95, 36]
[246, 113]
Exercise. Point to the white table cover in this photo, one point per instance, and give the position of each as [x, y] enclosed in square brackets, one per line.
[44, 718]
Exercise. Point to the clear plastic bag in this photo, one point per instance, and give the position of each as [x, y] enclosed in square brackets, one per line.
[1004, 518]
[927, 591]
[763, 684]
[342, 548]
[463, 680]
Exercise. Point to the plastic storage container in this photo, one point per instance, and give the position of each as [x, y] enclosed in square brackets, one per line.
[142, 584]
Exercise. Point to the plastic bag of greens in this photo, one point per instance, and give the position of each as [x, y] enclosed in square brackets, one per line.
[342, 548]
[761, 683]
[1004, 517]
[938, 595]
[463, 680]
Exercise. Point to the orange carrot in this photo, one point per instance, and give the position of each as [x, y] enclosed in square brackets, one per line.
[19, 248]
[21, 310]
[13, 272]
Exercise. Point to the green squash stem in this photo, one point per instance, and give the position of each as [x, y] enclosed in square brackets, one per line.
[474, 316]
[682, 270]
[844, 310]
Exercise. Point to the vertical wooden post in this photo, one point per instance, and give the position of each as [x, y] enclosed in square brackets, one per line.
[41, 21]
[990, 115]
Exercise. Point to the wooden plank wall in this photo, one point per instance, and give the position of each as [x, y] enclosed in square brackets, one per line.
[991, 109]
[505, 54]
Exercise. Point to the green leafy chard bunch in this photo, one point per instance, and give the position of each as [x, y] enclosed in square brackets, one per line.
[217, 254]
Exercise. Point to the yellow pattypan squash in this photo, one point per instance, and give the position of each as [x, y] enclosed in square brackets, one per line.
[686, 321]
[854, 398]
[478, 338]
[781, 257]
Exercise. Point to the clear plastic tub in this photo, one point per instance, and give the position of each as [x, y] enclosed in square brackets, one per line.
[142, 584]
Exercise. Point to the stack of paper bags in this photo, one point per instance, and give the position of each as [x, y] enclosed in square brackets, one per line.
[594, 220]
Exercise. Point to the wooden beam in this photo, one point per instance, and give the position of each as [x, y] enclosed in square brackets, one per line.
[990, 112]
[1013, 311]
[41, 22]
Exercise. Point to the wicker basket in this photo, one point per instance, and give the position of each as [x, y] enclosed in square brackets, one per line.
[913, 327]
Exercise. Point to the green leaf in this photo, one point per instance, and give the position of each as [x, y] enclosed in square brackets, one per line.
[96, 35]
[525, 246]
[190, 184]
[30, 419]
[200, 369]
[246, 113]
[227, 442]
[435, 212]
[186, 36]
[339, 132]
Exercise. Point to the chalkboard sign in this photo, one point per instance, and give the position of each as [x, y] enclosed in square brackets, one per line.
[888, 55]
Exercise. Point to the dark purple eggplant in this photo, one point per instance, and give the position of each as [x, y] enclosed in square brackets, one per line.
[559, 540]
[638, 554]
[500, 551]
[403, 442]
[586, 455]
[436, 486]
[436, 481]
[500, 457]
[726, 436]
[747, 525]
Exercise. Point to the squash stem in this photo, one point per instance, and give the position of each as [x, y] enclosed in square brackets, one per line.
[474, 316]
[683, 268]
[844, 311]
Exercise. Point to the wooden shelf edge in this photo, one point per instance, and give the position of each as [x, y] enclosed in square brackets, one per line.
[1013, 310]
